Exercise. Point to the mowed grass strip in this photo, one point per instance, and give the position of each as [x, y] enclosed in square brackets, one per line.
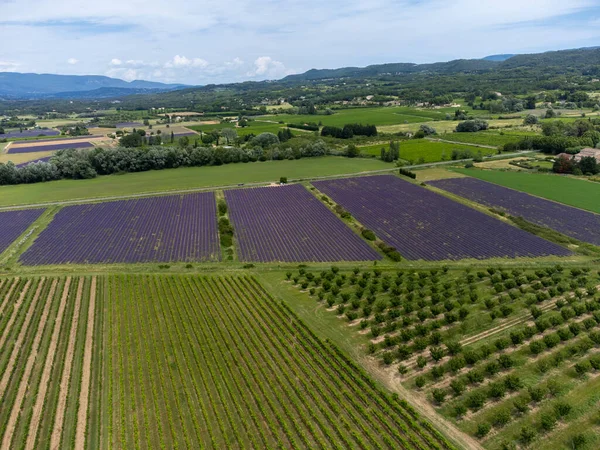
[563, 189]
[183, 178]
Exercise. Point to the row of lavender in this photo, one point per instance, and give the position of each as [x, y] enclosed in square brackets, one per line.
[162, 229]
[49, 147]
[14, 223]
[29, 133]
[288, 223]
[424, 225]
[573, 222]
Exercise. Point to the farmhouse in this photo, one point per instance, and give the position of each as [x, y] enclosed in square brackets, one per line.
[593, 152]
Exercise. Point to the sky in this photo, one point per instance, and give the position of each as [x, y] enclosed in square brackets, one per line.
[203, 42]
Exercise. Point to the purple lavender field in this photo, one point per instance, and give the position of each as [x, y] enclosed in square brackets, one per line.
[28, 134]
[46, 159]
[287, 223]
[14, 223]
[421, 224]
[573, 222]
[49, 147]
[161, 229]
[129, 124]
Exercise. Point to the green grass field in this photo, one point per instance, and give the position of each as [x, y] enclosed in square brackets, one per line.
[254, 127]
[484, 138]
[563, 189]
[424, 150]
[374, 116]
[184, 178]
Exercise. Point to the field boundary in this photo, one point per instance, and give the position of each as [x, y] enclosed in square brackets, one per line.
[240, 185]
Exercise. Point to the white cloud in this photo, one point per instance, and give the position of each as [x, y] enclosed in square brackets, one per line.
[182, 61]
[267, 66]
[367, 32]
[9, 66]
[72, 61]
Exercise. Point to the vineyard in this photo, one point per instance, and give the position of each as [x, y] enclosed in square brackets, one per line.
[131, 361]
[46, 360]
[425, 225]
[511, 357]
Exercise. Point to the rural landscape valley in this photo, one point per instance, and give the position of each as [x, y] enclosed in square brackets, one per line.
[205, 253]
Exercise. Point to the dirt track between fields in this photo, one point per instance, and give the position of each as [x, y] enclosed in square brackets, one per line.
[87, 368]
[17, 348]
[61, 407]
[45, 380]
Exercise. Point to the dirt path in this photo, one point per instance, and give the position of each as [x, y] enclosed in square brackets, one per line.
[66, 375]
[13, 317]
[8, 294]
[82, 413]
[44, 381]
[423, 407]
[24, 385]
[17, 348]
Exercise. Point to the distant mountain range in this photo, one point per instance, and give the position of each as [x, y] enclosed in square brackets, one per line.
[498, 57]
[565, 58]
[32, 85]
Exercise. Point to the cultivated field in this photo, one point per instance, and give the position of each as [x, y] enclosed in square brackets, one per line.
[287, 223]
[157, 229]
[421, 151]
[424, 225]
[14, 223]
[512, 357]
[146, 361]
[563, 189]
[576, 223]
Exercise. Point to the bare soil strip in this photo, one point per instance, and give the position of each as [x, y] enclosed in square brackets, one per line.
[44, 381]
[24, 385]
[82, 412]
[13, 317]
[17, 348]
[8, 294]
[66, 375]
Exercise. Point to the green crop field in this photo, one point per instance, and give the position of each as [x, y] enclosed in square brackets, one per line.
[424, 150]
[254, 127]
[484, 138]
[184, 178]
[568, 190]
[374, 116]
[181, 362]
[505, 355]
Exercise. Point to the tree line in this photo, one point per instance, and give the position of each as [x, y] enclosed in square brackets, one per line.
[85, 164]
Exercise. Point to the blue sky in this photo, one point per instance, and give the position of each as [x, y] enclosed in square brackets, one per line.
[200, 42]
